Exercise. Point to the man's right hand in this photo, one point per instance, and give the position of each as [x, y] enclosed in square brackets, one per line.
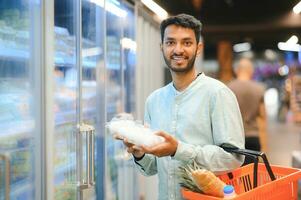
[131, 148]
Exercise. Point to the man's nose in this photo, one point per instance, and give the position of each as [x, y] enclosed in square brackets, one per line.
[178, 48]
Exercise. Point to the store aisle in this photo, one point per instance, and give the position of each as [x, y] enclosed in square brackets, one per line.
[283, 138]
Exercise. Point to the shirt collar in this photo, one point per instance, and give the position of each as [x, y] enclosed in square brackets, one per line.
[191, 85]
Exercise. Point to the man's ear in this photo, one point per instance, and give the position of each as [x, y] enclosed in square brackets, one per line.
[161, 46]
[200, 48]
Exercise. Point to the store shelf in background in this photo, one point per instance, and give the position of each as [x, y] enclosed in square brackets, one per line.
[14, 54]
[15, 128]
[61, 59]
[66, 117]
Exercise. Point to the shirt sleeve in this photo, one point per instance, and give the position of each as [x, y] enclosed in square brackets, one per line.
[227, 127]
[148, 164]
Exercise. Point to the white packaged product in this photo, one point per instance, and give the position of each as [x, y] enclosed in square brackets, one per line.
[124, 126]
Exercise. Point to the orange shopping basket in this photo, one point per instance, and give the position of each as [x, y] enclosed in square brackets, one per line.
[257, 181]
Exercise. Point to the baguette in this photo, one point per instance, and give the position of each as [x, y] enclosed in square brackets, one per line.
[208, 182]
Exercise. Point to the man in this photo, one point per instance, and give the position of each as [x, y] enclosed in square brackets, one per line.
[195, 114]
[250, 95]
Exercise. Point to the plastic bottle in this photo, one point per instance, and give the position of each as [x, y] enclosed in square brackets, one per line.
[229, 192]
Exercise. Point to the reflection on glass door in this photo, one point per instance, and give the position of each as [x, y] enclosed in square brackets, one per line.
[113, 95]
[93, 101]
[129, 47]
[65, 104]
[120, 95]
[19, 110]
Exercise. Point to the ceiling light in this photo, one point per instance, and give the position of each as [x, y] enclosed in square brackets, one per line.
[297, 8]
[284, 46]
[240, 47]
[292, 40]
[162, 14]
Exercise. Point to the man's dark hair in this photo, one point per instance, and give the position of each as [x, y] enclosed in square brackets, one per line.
[183, 20]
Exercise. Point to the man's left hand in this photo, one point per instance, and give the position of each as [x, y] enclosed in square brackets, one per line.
[166, 148]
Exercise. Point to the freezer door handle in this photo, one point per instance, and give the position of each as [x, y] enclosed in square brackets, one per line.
[87, 134]
[92, 157]
[6, 160]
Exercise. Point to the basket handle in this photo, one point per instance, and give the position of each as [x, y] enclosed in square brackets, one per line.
[255, 170]
[254, 155]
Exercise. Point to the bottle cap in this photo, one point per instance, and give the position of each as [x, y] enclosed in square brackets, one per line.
[228, 189]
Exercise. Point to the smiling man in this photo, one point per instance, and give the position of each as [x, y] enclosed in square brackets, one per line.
[194, 113]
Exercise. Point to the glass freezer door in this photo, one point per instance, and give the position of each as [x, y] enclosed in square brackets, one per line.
[20, 100]
[65, 102]
[78, 99]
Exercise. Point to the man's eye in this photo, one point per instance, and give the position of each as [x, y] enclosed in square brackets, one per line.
[169, 43]
[188, 43]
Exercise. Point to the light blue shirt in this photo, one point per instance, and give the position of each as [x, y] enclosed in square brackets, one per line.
[202, 117]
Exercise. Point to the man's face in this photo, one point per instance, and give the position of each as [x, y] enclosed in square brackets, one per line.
[180, 48]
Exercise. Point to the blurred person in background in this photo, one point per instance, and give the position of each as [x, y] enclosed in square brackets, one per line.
[195, 114]
[250, 97]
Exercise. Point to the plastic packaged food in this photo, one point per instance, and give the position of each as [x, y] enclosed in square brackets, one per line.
[124, 126]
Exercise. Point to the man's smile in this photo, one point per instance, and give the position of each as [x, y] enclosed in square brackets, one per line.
[179, 59]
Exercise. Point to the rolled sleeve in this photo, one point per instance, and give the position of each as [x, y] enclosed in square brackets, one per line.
[210, 157]
[185, 152]
[147, 165]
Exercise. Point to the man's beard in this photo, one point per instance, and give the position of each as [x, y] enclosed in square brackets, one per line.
[188, 67]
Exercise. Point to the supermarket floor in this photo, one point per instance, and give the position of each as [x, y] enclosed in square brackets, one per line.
[283, 139]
